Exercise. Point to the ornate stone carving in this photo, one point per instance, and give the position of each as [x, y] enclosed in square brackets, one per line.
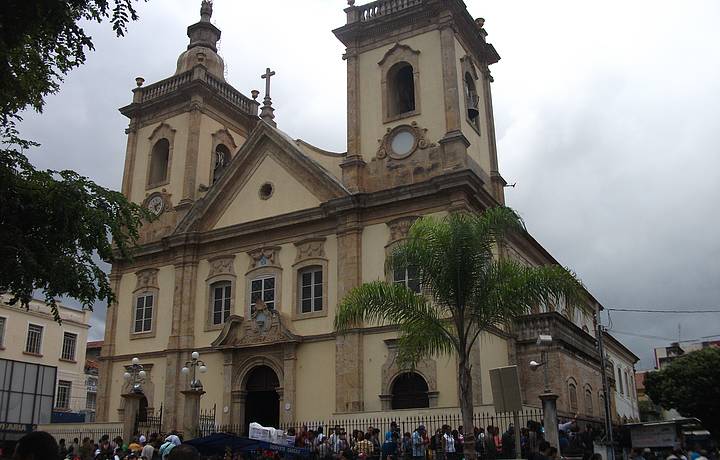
[222, 265]
[400, 227]
[147, 278]
[418, 133]
[310, 249]
[265, 327]
[263, 257]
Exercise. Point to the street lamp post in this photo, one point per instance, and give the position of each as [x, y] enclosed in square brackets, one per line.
[548, 398]
[191, 412]
[135, 376]
[194, 365]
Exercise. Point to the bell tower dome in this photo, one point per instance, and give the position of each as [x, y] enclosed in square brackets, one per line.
[203, 45]
[419, 102]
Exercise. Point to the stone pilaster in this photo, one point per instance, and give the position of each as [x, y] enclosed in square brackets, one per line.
[353, 172]
[498, 183]
[349, 347]
[450, 80]
[227, 387]
[130, 153]
[191, 152]
[287, 398]
[107, 352]
[353, 103]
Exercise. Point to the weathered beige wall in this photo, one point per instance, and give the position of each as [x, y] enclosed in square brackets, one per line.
[432, 114]
[315, 393]
[177, 163]
[162, 315]
[289, 195]
[328, 160]
[479, 149]
[208, 126]
[374, 239]
[493, 353]
[213, 382]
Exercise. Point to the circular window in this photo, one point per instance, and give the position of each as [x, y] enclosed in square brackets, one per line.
[402, 143]
[266, 190]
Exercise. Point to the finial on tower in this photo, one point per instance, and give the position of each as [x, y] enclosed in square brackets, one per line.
[266, 112]
[206, 10]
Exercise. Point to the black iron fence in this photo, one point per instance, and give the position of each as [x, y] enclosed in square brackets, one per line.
[149, 421]
[406, 424]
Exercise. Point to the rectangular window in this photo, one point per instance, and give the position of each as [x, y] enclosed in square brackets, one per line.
[2, 332]
[34, 339]
[63, 394]
[68, 346]
[311, 290]
[91, 401]
[221, 302]
[408, 277]
[144, 313]
[619, 381]
[264, 289]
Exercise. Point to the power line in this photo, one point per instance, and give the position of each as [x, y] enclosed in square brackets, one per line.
[644, 336]
[649, 310]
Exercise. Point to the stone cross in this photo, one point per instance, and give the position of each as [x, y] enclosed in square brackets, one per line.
[266, 76]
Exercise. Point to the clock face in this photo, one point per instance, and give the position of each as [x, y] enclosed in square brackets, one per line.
[156, 205]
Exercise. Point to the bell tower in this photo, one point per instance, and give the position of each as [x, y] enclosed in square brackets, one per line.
[418, 88]
[184, 130]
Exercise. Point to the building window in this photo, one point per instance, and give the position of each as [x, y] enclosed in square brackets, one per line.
[68, 346]
[311, 289]
[144, 313]
[2, 332]
[63, 394]
[221, 158]
[407, 277]
[34, 339]
[572, 393]
[410, 391]
[221, 301]
[619, 381]
[91, 401]
[472, 101]
[627, 393]
[159, 159]
[401, 87]
[588, 401]
[262, 289]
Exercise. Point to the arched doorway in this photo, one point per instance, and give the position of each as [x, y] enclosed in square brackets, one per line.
[410, 391]
[262, 402]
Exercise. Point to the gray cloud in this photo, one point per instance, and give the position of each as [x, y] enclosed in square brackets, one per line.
[606, 118]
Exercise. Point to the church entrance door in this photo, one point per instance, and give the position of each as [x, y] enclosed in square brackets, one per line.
[262, 403]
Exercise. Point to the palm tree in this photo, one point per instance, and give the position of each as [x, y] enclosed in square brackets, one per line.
[465, 289]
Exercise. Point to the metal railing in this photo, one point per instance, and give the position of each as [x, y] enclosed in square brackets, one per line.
[380, 8]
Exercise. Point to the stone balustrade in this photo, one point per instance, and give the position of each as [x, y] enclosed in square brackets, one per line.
[379, 8]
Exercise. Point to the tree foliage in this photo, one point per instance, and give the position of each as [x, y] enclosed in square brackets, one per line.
[690, 384]
[54, 224]
[466, 289]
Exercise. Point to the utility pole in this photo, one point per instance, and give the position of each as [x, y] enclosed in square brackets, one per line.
[606, 392]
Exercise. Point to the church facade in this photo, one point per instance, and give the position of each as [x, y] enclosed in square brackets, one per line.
[259, 236]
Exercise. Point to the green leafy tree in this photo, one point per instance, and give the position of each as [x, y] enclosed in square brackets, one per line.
[54, 225]
[690, 384]
[465, 290]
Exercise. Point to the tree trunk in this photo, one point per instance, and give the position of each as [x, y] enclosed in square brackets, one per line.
[466, 407]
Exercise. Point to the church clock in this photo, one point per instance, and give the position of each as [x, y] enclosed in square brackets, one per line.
[156, 204]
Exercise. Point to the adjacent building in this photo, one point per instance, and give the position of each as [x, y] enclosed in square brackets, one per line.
[622, 363]
[665, 355]
[259, 236]
[92, 366]
[33, 336]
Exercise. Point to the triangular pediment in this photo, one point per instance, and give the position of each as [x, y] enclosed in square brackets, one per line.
[264, 327]
[296, 182]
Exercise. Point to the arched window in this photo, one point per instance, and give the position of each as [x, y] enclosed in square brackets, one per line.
[221, 158]
[588, 400]
[220, 302]
[401, 89]
[410, 391]
[159, 158]
[572, 395]
[472, 100]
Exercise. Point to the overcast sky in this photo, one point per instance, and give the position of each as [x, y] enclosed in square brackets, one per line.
[607, 120]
